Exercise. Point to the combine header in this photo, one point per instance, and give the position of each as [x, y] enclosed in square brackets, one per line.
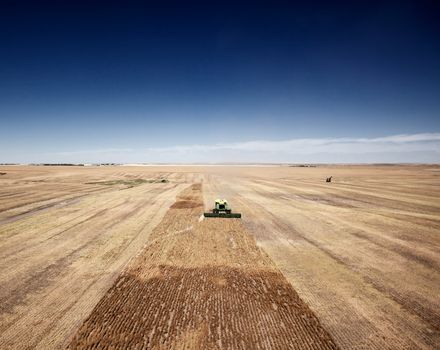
[222, 210]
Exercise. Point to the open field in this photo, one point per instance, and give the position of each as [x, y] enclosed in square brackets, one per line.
[105, 256]
[201, 284]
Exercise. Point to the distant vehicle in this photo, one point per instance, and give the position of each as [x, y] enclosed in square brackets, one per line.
[222, 210]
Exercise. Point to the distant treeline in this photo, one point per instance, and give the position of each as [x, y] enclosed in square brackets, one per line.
[72, 164]
[58, 164]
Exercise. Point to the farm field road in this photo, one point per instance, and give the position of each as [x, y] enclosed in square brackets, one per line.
[362, 251]
[201, 284]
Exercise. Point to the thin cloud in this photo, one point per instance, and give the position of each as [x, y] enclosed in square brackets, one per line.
[422, 147]
[401, 143]
[95, 152]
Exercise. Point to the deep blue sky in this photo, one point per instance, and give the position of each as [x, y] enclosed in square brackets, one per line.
[92, 75]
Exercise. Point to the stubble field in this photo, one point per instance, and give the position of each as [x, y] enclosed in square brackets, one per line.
[101, 257]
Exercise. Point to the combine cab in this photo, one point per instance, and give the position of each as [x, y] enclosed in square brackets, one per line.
[222, 210]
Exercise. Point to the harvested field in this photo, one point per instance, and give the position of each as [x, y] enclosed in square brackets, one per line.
[372, 235]
[59, 256]
[352, 264]
[201, 285]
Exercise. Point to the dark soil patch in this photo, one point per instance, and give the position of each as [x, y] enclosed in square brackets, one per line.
[207, 308]
[185, 204]
[128, 183]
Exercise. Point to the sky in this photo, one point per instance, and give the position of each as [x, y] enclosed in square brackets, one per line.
[189, 82]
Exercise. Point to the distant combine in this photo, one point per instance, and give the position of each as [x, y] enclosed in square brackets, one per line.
[222, 210]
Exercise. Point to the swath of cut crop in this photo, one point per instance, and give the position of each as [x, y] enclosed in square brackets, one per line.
[201, 284]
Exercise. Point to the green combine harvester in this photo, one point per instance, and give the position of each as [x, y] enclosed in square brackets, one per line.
[222, 210]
